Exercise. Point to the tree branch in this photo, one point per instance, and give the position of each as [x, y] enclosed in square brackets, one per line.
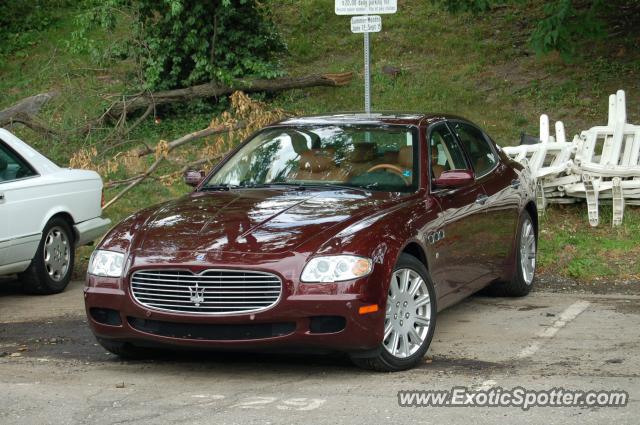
[213, 89]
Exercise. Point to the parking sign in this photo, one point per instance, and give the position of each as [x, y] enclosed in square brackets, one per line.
[366, 7]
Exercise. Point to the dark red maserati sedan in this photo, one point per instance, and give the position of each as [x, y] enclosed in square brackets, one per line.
[342, 232]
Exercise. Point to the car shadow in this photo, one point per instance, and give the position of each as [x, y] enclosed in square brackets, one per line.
[10, 285]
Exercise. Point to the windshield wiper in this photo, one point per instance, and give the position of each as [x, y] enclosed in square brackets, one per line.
[218, 187]
[253, 185]
[331, 186]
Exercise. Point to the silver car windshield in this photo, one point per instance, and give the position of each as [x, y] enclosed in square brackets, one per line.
[366, 157]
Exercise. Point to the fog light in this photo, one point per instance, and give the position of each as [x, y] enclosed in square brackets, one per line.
[106, 316]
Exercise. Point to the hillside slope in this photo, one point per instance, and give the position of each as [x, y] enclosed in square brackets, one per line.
[480, 67]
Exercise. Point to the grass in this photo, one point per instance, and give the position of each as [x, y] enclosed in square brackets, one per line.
[477, 67]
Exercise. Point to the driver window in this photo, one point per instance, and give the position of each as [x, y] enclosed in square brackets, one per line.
[12, 167]
[445, 154]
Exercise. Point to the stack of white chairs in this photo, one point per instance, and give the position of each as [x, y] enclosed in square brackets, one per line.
[601, 164]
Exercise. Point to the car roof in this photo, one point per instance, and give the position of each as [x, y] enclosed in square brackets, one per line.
[375, 118]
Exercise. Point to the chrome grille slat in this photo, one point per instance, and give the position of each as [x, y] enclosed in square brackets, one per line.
[230, 309]
[178, 298]
[271, 291]
[205, 281]
[253, 276]
[178, 283]
[211, 292]
[156, 301]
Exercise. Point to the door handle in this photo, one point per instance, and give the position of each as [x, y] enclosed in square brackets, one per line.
[515, 184]
[482, 199]
[1, 197]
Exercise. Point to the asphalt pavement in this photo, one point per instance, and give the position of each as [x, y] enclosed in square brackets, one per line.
[53, 372]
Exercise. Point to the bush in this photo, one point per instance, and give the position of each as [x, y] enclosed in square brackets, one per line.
[180, 43]
[21, 20]
[566, 23]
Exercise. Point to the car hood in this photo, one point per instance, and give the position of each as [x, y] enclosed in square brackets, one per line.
[253, 221]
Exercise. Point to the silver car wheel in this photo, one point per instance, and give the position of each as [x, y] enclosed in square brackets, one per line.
[528, 251]
[57, 254]
[408, 314]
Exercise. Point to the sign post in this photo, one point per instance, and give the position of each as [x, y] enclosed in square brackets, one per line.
[367, 75]
[366, 24]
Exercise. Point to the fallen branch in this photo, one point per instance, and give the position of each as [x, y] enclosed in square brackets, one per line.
[203, 91]
[29, 106]
[115, 183]
[194, 136]
[33, 124]
[136, 180]
[25, 111]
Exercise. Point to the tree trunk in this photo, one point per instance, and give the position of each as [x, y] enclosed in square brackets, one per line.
[25, 109]
[213, 89]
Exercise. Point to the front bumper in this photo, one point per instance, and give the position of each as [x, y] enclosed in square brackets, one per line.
[296, 322]
[90, 230]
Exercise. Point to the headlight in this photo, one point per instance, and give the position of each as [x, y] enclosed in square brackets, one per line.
[336, 268]
[106, 263]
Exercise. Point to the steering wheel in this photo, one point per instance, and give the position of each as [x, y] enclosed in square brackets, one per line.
[394, 169]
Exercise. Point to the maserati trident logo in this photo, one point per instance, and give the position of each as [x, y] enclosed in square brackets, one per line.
[197, 295]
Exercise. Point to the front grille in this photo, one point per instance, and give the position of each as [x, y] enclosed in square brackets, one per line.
[210, 292]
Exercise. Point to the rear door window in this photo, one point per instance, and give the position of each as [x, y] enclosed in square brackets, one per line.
[12, 166]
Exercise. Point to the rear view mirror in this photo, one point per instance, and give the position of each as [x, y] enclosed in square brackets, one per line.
[193, 178]
[454, 178]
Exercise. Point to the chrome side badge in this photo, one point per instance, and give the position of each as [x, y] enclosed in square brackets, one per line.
[435, 237]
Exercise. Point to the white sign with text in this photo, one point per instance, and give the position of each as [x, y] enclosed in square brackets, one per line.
[366, 7]
[369, 23]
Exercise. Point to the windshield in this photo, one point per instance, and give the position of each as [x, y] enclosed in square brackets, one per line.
[367, 157]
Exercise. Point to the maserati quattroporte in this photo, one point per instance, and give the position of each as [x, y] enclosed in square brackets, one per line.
[342, 232]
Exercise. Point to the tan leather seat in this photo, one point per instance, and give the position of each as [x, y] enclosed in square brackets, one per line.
[360, 159]
[405, 161]
[318, 165]
[405, 157]
[436, 169]
[390, 157]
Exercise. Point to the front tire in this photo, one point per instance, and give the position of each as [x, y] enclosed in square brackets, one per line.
[410, 319]
[51, 268]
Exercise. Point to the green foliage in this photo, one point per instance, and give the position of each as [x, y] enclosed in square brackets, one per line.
[180, 43]
[565, 22]
[20, 22]
[465, 5]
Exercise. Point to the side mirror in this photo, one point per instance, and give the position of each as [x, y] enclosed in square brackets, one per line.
[193, 178]
[454, 178]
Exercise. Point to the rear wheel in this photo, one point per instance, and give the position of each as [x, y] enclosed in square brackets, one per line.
[523, 277]
[51, 268]
[409, 318]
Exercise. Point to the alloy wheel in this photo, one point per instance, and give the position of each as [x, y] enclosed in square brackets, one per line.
[56, 253]
[527, 252]
[408, 314]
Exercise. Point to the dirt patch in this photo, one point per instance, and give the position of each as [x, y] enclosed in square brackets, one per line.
[552, 282]
[60, 338]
